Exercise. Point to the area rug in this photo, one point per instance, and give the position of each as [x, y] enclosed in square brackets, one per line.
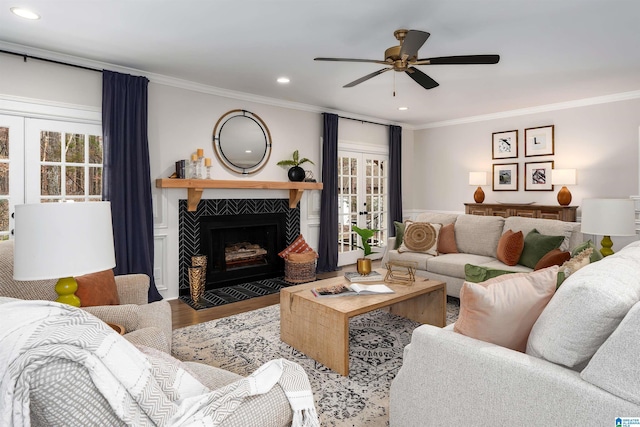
[235, 293]
[243, 342]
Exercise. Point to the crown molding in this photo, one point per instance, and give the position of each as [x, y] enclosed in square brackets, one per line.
[624, 96]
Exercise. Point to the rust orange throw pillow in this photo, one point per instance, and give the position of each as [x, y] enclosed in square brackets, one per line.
[298, 246]
[510, 247]
[97, 289]
[553, 257]
[447, 240]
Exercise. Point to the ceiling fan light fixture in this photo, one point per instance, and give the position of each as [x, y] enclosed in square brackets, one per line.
[25, 13]
[283, 80]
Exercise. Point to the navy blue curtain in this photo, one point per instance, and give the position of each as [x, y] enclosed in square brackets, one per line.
[395, 177]
[328, 244]
[126, 176]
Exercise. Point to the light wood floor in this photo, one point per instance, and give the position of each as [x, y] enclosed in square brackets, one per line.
[183, 315]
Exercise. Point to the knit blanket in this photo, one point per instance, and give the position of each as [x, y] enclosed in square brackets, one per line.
[139, 391]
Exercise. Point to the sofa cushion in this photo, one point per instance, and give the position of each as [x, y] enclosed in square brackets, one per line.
[550, 227]
[510, 247]
[436, 217]
[537, 245]
[418, 258]
[582, 259]
[553, 257]
[503, 310]
[453, 264]
[447, 240]
[586, 309]
[477, 273]
[595, 253]
[420, 237]
[399, 226]
[97, 289]
[478, 235]
[299, 245]
[615, 366]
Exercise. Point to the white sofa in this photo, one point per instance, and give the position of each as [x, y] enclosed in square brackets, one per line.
[477, 240]
[580, 368]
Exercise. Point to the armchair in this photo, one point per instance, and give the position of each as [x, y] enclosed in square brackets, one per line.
[145, 324]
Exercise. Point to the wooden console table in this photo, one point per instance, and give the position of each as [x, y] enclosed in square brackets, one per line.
[196, 186]
[563, 213]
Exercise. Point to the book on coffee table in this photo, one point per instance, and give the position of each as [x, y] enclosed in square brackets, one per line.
[354, 276]
[352, 289]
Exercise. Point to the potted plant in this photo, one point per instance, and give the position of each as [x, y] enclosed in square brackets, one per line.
[296, 173]
[364, 264]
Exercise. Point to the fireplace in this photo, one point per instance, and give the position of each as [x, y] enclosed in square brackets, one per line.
[242, 248]
[191, 241]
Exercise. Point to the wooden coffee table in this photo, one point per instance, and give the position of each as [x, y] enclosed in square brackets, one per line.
[319, 327]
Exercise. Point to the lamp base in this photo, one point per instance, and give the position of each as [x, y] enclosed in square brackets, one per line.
[564, 196]
[66, 288]
[478, 196]
[606, 246]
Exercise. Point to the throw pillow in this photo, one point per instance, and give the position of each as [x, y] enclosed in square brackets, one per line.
[399, 233]
[595, 254]
[420, 237]
[503, 310]
[447, 240]
[510, 247]
[536, 246]
[477, 274]
[97, 289]
[303, 257]
[297, 246]
[553, 257]
[574, 264]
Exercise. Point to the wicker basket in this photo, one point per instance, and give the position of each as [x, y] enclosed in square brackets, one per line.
[299, 272]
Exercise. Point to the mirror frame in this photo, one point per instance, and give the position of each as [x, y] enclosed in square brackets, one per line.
[220, 152]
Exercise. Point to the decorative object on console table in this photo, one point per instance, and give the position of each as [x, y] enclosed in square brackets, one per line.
[364, 264]
[608, 217]
[538, 141]
[537, 176]
[296, 173]
[563, 177]
[529, 210]
[63, 240]
[479, 179]
[505, 177]
[504, 145]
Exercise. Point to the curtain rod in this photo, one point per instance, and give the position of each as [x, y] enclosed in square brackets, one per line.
[363, 121]
[25, 56]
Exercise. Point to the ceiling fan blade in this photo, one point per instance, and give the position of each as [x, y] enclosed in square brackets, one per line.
[421, 78]
[412, 42]
[459, 60]
[374, 61]
[367, 77]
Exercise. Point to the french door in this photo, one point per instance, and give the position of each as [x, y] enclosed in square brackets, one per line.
[362, 201]
[11, 170]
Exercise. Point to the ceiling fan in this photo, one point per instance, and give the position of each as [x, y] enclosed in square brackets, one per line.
[404, 56]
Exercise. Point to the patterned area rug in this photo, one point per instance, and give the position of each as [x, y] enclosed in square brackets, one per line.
[243, 342]
[235, 293]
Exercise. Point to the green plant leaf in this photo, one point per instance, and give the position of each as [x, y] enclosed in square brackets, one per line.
[365, 234]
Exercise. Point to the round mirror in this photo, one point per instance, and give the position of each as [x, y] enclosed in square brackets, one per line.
[242, 141]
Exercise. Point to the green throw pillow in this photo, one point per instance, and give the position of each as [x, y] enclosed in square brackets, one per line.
[477, 274]
[399, 233]
[595, 255]
[536, 246]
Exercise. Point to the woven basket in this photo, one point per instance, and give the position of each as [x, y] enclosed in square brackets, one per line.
[299, 272]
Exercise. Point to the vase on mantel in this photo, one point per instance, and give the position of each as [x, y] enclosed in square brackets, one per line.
[296, 174]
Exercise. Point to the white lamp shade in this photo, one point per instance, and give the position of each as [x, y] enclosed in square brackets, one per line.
[563, 176]
[56, 240]
[608, 217]
[477, 178]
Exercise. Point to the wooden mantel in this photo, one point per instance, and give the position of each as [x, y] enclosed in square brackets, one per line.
[195, 186]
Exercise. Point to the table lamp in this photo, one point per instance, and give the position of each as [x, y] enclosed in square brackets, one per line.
[62, 240]
[563, 177]
[608, 217]
[478, 178]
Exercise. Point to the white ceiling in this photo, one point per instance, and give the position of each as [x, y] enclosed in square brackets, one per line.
[551, 50]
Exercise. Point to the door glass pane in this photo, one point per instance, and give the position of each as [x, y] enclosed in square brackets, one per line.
[4, 179]
[95, 181]
[4, 218]
[4, 143]
[75, 181]
[50, 146]
[74, 148]
[50, 183]
[95, 149]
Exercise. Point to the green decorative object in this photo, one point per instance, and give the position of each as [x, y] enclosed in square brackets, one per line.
[536, 246]
[477, 274]
[400, 226]
[296, 173]
[595, 255]
[364, 264]
[66, 289]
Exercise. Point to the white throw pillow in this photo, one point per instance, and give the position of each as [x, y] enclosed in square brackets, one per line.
[420, 237]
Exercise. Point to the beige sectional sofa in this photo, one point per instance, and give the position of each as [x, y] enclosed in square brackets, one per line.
[477, 241]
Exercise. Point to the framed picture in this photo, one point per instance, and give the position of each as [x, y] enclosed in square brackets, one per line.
[505, 177]
[538, 141]
[537, 176]
[505, 145]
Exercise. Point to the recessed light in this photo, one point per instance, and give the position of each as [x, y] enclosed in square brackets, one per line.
[248, 151]
[403, 108]
[24, 13]
[283, 80]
